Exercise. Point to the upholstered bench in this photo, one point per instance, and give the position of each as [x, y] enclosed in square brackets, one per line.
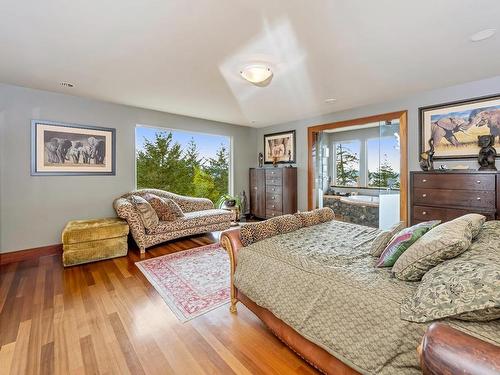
[91, 240]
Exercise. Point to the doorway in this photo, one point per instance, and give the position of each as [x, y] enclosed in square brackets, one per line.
[359, 168]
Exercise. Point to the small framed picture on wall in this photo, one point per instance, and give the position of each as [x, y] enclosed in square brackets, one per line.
[59, 149]
[279, 147]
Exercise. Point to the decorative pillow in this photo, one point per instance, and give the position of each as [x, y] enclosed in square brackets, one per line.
[461, 289]
[165, 208]
[477, 222]
[309, 218]
[383, 238]
[253, 232]
[286, 223]
[446, 241]
[148, 216]
[325, 214]
[402, 241]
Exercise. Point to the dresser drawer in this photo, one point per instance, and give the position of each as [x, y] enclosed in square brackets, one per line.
[274, 189]
[454, 198]
[273, 197]
[454, 181]
[275, 205]
[276, 181]
[273, 213]
[423, 213]
[273, 173]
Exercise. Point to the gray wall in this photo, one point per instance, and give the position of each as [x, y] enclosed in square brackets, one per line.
[411, 104]
[35, 209]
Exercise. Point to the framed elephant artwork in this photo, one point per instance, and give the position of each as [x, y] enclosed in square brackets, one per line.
[453, 128]
[60, 149]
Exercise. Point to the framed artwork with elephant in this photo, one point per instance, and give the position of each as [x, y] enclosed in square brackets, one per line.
[454, 128]
[60, 149]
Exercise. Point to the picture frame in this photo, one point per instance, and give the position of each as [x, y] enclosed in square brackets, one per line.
[455, 126]
[62, 149]
[281, 145]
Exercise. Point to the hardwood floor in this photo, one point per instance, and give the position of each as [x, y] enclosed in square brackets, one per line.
[105, 318]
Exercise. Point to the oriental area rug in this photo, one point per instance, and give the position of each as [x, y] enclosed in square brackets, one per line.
[191, 282]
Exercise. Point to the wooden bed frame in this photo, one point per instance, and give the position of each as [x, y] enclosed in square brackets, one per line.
[443, 350]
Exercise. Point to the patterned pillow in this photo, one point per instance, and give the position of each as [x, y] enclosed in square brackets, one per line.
[309, 218]
[253, 232]
[402, 241]
[165, 208]
[458, 288]
[148, 216]
[446, 241]
[325, 214]
[477, 222]
[380, 242]
[286, 223]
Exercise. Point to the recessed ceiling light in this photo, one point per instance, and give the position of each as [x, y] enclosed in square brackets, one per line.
[257, 74]
[253, 122]
[330, 100]
[67, 84]
[482, 35]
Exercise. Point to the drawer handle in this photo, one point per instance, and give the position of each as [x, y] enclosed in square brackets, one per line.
[424, 195]
[255, 187]
[272, 206]
[478, 181]
[478, 198]
[424, 180]
[424, 212]
[273, 198]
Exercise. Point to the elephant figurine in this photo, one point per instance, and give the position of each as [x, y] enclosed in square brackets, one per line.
[489, 117]
[447, 127]
[427, 157]
[487, 154]
[57, 150]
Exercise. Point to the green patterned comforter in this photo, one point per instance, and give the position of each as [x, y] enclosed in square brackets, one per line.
[321, 281]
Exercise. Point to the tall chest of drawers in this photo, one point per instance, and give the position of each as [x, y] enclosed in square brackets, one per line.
[273, 191]
[448, 195]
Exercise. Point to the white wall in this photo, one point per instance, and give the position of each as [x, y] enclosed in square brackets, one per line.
[34, 209]
[411, 104]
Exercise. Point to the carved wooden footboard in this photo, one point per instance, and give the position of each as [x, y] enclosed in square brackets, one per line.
[444, 350]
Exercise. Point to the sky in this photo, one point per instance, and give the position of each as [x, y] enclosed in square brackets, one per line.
[207, 143]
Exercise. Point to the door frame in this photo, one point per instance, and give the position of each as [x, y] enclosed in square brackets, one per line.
[403, 135]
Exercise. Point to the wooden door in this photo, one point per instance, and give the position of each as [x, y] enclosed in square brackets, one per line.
[257, 192]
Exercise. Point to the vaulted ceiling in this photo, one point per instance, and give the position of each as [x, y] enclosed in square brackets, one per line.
[184, 56]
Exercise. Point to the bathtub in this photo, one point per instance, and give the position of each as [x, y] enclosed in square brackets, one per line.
[362, 199]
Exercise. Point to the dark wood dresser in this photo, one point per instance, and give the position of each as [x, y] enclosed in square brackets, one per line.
[448, 195]
[273, 191]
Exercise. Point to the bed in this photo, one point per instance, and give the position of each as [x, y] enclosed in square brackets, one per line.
[317, 289]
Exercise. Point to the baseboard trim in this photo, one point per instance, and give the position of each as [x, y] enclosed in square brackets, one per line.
[34, 253]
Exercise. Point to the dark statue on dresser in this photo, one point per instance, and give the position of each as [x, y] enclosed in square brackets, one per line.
[487, 154]
[427, 158]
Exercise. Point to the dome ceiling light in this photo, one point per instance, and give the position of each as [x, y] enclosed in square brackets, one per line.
[257, 74]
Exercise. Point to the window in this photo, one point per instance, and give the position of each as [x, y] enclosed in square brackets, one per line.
[383, 169]
[347, 163]
[181, 162]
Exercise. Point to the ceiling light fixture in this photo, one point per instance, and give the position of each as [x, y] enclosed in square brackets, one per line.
[257, 74]
[482, 35]
[330, 100]
[67, 84]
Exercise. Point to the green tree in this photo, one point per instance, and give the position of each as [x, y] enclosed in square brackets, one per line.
[347, 166]
[218, 169]
[162, 164]
[385, 176]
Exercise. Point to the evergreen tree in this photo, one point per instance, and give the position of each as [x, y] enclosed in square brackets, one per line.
[347, 166]
[218, 169]
[385, 176]
[162, 164]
